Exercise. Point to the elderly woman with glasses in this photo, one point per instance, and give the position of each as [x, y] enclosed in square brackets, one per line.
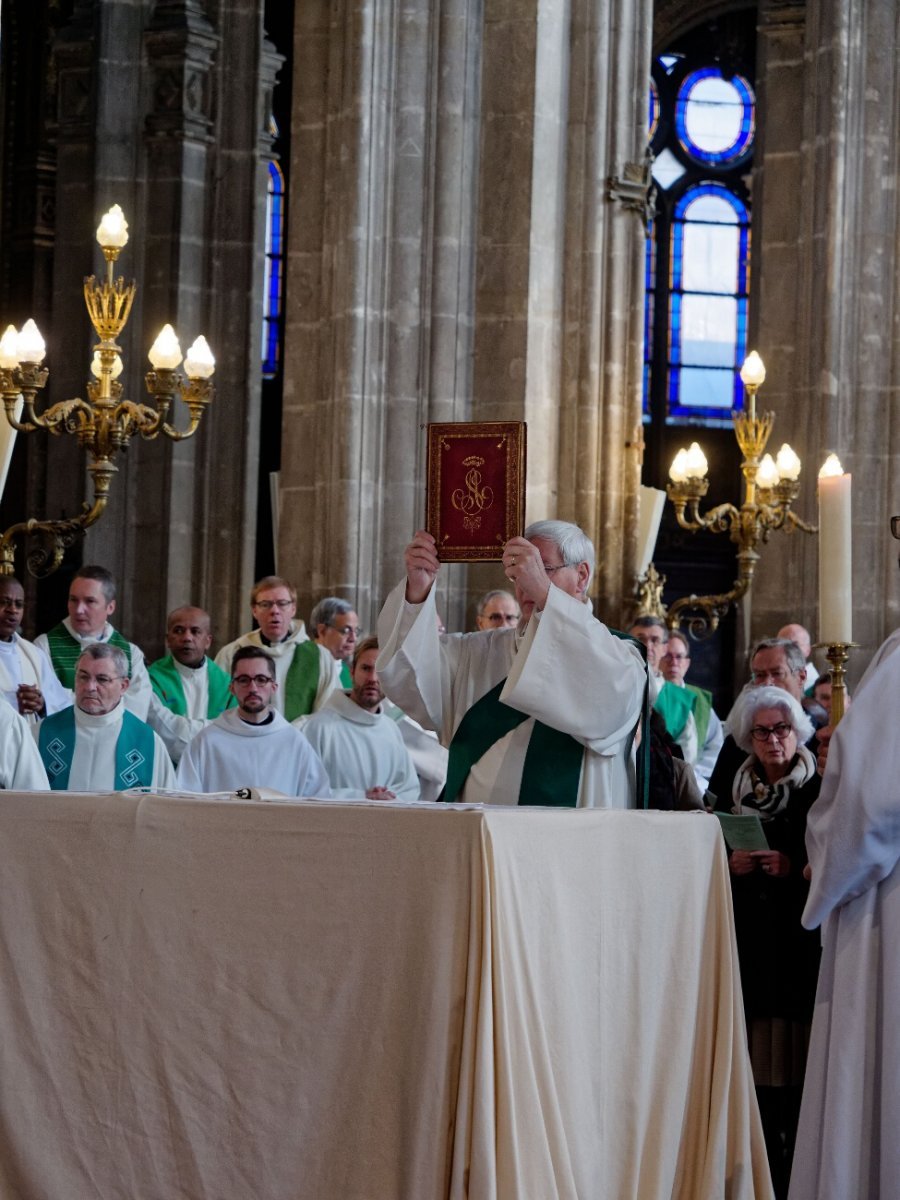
[779, 959]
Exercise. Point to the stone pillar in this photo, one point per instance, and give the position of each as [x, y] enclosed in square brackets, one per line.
[454, 255]
[830, 218]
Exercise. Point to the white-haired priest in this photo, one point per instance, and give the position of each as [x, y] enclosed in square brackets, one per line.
[543, 713]
[97, 745]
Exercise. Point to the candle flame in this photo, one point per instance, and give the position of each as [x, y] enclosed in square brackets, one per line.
[831, 467]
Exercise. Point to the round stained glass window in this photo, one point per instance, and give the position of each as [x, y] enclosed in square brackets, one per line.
[714, 117]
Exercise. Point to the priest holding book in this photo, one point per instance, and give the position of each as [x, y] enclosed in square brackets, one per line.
[543, 713]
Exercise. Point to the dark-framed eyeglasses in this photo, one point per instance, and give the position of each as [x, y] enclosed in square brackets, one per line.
[762, 733]
[346, 630]
[246, 680]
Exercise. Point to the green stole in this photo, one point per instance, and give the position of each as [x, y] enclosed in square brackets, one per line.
[675, 704]
[346, 677]
[65, 652]
[702, 709]
[169, 687]
[552, 769]
[135, 749]
[302, 681]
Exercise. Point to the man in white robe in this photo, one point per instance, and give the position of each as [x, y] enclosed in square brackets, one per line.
[540, 714]
[360, 746]
[306, 672]
[27, 681]
[97, 744]
[21, 769]
[252, 745]
[848, 1144]
[189, 690]
[92, 601]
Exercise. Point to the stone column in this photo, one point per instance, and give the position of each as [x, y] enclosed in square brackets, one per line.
[829, 213]
[456, 162]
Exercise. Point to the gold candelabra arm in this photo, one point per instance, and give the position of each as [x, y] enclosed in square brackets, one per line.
[196, 394]
[25, 380]
[686, 497]
[55, 537]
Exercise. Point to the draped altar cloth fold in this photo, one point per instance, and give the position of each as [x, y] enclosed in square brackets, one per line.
[215, 1001]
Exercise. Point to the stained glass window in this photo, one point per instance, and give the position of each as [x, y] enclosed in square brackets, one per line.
[274, 273]
[698, 252]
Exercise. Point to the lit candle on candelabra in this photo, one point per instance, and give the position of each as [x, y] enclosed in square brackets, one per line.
[835, 562]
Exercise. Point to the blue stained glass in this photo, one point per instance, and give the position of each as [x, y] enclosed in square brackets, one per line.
[274, 271]
[653, 116]
[715, 117]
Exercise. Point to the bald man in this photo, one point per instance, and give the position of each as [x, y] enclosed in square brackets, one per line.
[189, 690]
[800, 637]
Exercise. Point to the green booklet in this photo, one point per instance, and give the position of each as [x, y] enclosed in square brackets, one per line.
[743, 831]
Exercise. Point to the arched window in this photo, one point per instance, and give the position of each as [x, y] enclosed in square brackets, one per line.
[701, 128]
[274, 276]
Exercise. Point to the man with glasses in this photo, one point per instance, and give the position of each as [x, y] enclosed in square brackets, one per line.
[27, 680]
[92, 601]
[700, 735]
[335, 626]
[97, 745]
[305, 671]
[497, 610]
[543, 713]
[252, 745]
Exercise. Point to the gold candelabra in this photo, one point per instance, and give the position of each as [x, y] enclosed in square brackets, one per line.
[105, 423]
[770, 488]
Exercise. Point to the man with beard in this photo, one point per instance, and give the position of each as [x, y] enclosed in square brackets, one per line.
[27, 680]
[305, 672]
[252, 745]
[189, 690]
[359, 744]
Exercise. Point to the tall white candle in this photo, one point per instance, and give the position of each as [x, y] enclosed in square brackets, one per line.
[835, 562]
[652, 502]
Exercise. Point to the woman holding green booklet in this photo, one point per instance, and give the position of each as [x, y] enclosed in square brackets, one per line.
[779, 959]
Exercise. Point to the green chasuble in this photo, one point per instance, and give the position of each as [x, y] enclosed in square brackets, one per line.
[702, 709]
[675, 704]
[301, 684]
[551, 772]
[66, 650]
[169, 687]
[135, 749]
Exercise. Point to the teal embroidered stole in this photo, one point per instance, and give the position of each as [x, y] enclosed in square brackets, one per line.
[169, 687]
[551, 772]
[134, 750]
[66, 650]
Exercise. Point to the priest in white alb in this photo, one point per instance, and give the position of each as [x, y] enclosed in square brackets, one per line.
[848, 1140]
[252, 746]
[360, 746]
[544, 713]
[97, 744]
[27, 680]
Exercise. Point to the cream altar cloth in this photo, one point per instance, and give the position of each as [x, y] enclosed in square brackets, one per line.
[219, 1000]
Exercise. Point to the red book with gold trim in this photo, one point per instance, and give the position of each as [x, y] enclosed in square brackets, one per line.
[475, 500]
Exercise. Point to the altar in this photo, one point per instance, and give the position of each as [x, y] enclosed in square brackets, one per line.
[219, 1000]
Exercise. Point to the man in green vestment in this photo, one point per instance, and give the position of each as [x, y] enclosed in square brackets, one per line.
[188, 688]
[702, 734]
[335, 626]
[306, 672]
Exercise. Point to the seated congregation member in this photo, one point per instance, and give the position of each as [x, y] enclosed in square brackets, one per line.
[360, 746]
[654, 633]
[188, 688]
[27, 681]
[92, 601]
[306, 673]
[779, 959]
[540, 714]
[336, 627]
[700, 735]
[21, 768]
[97, 745]
[497, 609]
[252, 745]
